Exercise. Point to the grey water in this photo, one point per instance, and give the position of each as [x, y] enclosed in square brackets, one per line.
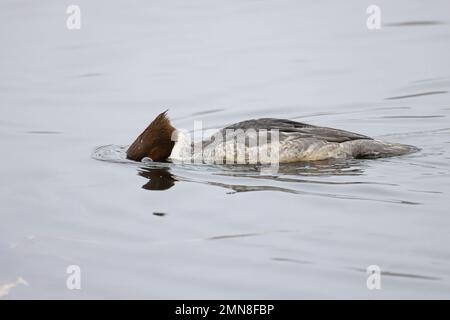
[166, 230]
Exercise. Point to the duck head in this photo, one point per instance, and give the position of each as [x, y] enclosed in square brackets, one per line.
[155, 142]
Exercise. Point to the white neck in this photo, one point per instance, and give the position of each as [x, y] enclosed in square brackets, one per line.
[182, 148]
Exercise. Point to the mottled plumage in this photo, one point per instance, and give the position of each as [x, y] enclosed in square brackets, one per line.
[246, 141]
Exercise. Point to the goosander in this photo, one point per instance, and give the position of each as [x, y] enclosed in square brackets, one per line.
[294, 142]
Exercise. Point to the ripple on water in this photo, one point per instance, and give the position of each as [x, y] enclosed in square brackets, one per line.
[414, 23]
[111, 153]
[292, 178]
[415, 95]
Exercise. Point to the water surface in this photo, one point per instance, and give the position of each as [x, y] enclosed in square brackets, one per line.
[182, 231]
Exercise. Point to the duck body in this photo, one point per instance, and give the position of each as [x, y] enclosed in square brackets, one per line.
[264, 140]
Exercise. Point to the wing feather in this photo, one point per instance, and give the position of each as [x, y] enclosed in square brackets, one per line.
[302, 130]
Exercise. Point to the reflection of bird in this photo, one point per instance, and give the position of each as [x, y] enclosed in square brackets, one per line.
[159, 179]
[296, 142]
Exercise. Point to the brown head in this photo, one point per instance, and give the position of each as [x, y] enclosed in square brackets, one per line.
[155, 142]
